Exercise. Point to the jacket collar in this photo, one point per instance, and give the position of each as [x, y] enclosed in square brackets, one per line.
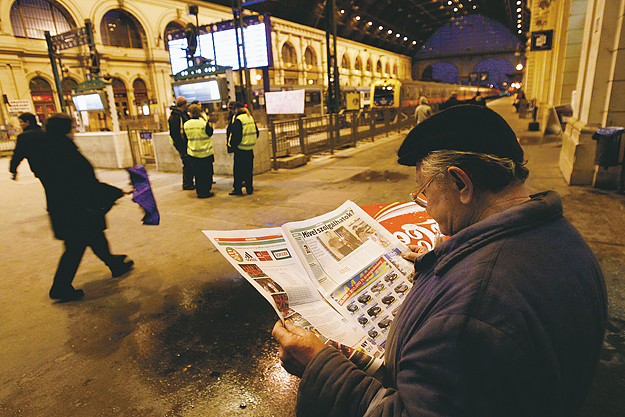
[542, 208]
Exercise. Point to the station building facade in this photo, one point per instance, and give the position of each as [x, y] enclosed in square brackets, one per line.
[130, 39]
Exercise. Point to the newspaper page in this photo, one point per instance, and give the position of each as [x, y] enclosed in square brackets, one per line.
[357, 265]
[268, 261]
[339, 275]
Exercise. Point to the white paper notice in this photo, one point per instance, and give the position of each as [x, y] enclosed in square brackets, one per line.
[285, 102]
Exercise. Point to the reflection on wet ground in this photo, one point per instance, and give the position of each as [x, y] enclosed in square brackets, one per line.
[371, 175]
[212, 350]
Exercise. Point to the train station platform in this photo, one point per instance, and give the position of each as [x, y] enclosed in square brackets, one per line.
[183, 334]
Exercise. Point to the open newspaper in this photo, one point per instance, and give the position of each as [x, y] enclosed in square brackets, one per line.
[339, 275]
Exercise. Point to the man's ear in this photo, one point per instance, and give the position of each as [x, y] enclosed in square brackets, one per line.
[462, 183]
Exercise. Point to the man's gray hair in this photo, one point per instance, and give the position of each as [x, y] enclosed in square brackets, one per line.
[488, 172]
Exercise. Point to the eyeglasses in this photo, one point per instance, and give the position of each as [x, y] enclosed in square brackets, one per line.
[415, 194]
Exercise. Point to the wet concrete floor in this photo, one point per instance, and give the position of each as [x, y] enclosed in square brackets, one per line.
[183, 334]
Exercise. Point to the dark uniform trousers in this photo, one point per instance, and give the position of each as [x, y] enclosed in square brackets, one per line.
[243, 170]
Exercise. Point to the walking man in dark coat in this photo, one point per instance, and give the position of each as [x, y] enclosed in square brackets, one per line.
[30, 130]
[77, 203]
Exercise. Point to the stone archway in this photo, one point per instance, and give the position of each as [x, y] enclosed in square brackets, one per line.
[497, 69]
[441, 72]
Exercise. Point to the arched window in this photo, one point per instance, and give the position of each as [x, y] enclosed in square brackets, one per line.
[140, 90]
[369, 66]
[345, 64]
[387, 68]
[289, 56]
[378, 67]
[43, 97]
[395, 70]
[68, 84]
[171, 27]
[358, 64]
[30, 18]
[310, 58]
[121, 98]
[119, 28]
[141, 97]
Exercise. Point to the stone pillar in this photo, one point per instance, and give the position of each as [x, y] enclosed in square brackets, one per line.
[600, 86]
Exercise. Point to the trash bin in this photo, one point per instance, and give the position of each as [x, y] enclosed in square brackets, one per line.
[608, 146]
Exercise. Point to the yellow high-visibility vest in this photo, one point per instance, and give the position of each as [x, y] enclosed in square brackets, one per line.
[199, 145]
[249, 132]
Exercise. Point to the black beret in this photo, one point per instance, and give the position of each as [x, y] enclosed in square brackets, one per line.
[464, 128]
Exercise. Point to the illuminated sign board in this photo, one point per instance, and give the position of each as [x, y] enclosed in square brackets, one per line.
[86, 102]
[203, 91]
[218, 43]
[542, 40]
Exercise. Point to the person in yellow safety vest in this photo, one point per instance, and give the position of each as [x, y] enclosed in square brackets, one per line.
[200, 148]
[242, 136]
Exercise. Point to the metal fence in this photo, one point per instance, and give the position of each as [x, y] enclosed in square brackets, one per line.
[312, 135]
[142, 146]
[6, 147]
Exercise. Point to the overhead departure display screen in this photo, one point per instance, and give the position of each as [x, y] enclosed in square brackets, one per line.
[218, 42]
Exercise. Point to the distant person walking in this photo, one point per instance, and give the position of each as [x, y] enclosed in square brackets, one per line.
[176, 134]
[24, 142]
[200, 149]
[423, 110]
[77, 203]
[242, 136]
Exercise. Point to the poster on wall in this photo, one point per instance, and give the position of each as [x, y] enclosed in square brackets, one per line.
[19, 106]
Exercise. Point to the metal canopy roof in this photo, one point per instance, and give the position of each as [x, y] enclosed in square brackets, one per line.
[400, 26]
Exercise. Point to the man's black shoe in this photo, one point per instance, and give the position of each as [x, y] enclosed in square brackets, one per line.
[120, 267]
[210, 194]
[249, 191]
[188, 187]
[235, 192]
[65, 296]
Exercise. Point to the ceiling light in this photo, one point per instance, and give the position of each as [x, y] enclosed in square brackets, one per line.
[342, 11]
[518, 3]
[414, 42]
[357, 17]
[519, 31]
[369, 23]
[455, 9]
[389, 31]
[449, 3]
[474, 6]
[518, 10]
[381, 27]
[397, 35]
[405, 38]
